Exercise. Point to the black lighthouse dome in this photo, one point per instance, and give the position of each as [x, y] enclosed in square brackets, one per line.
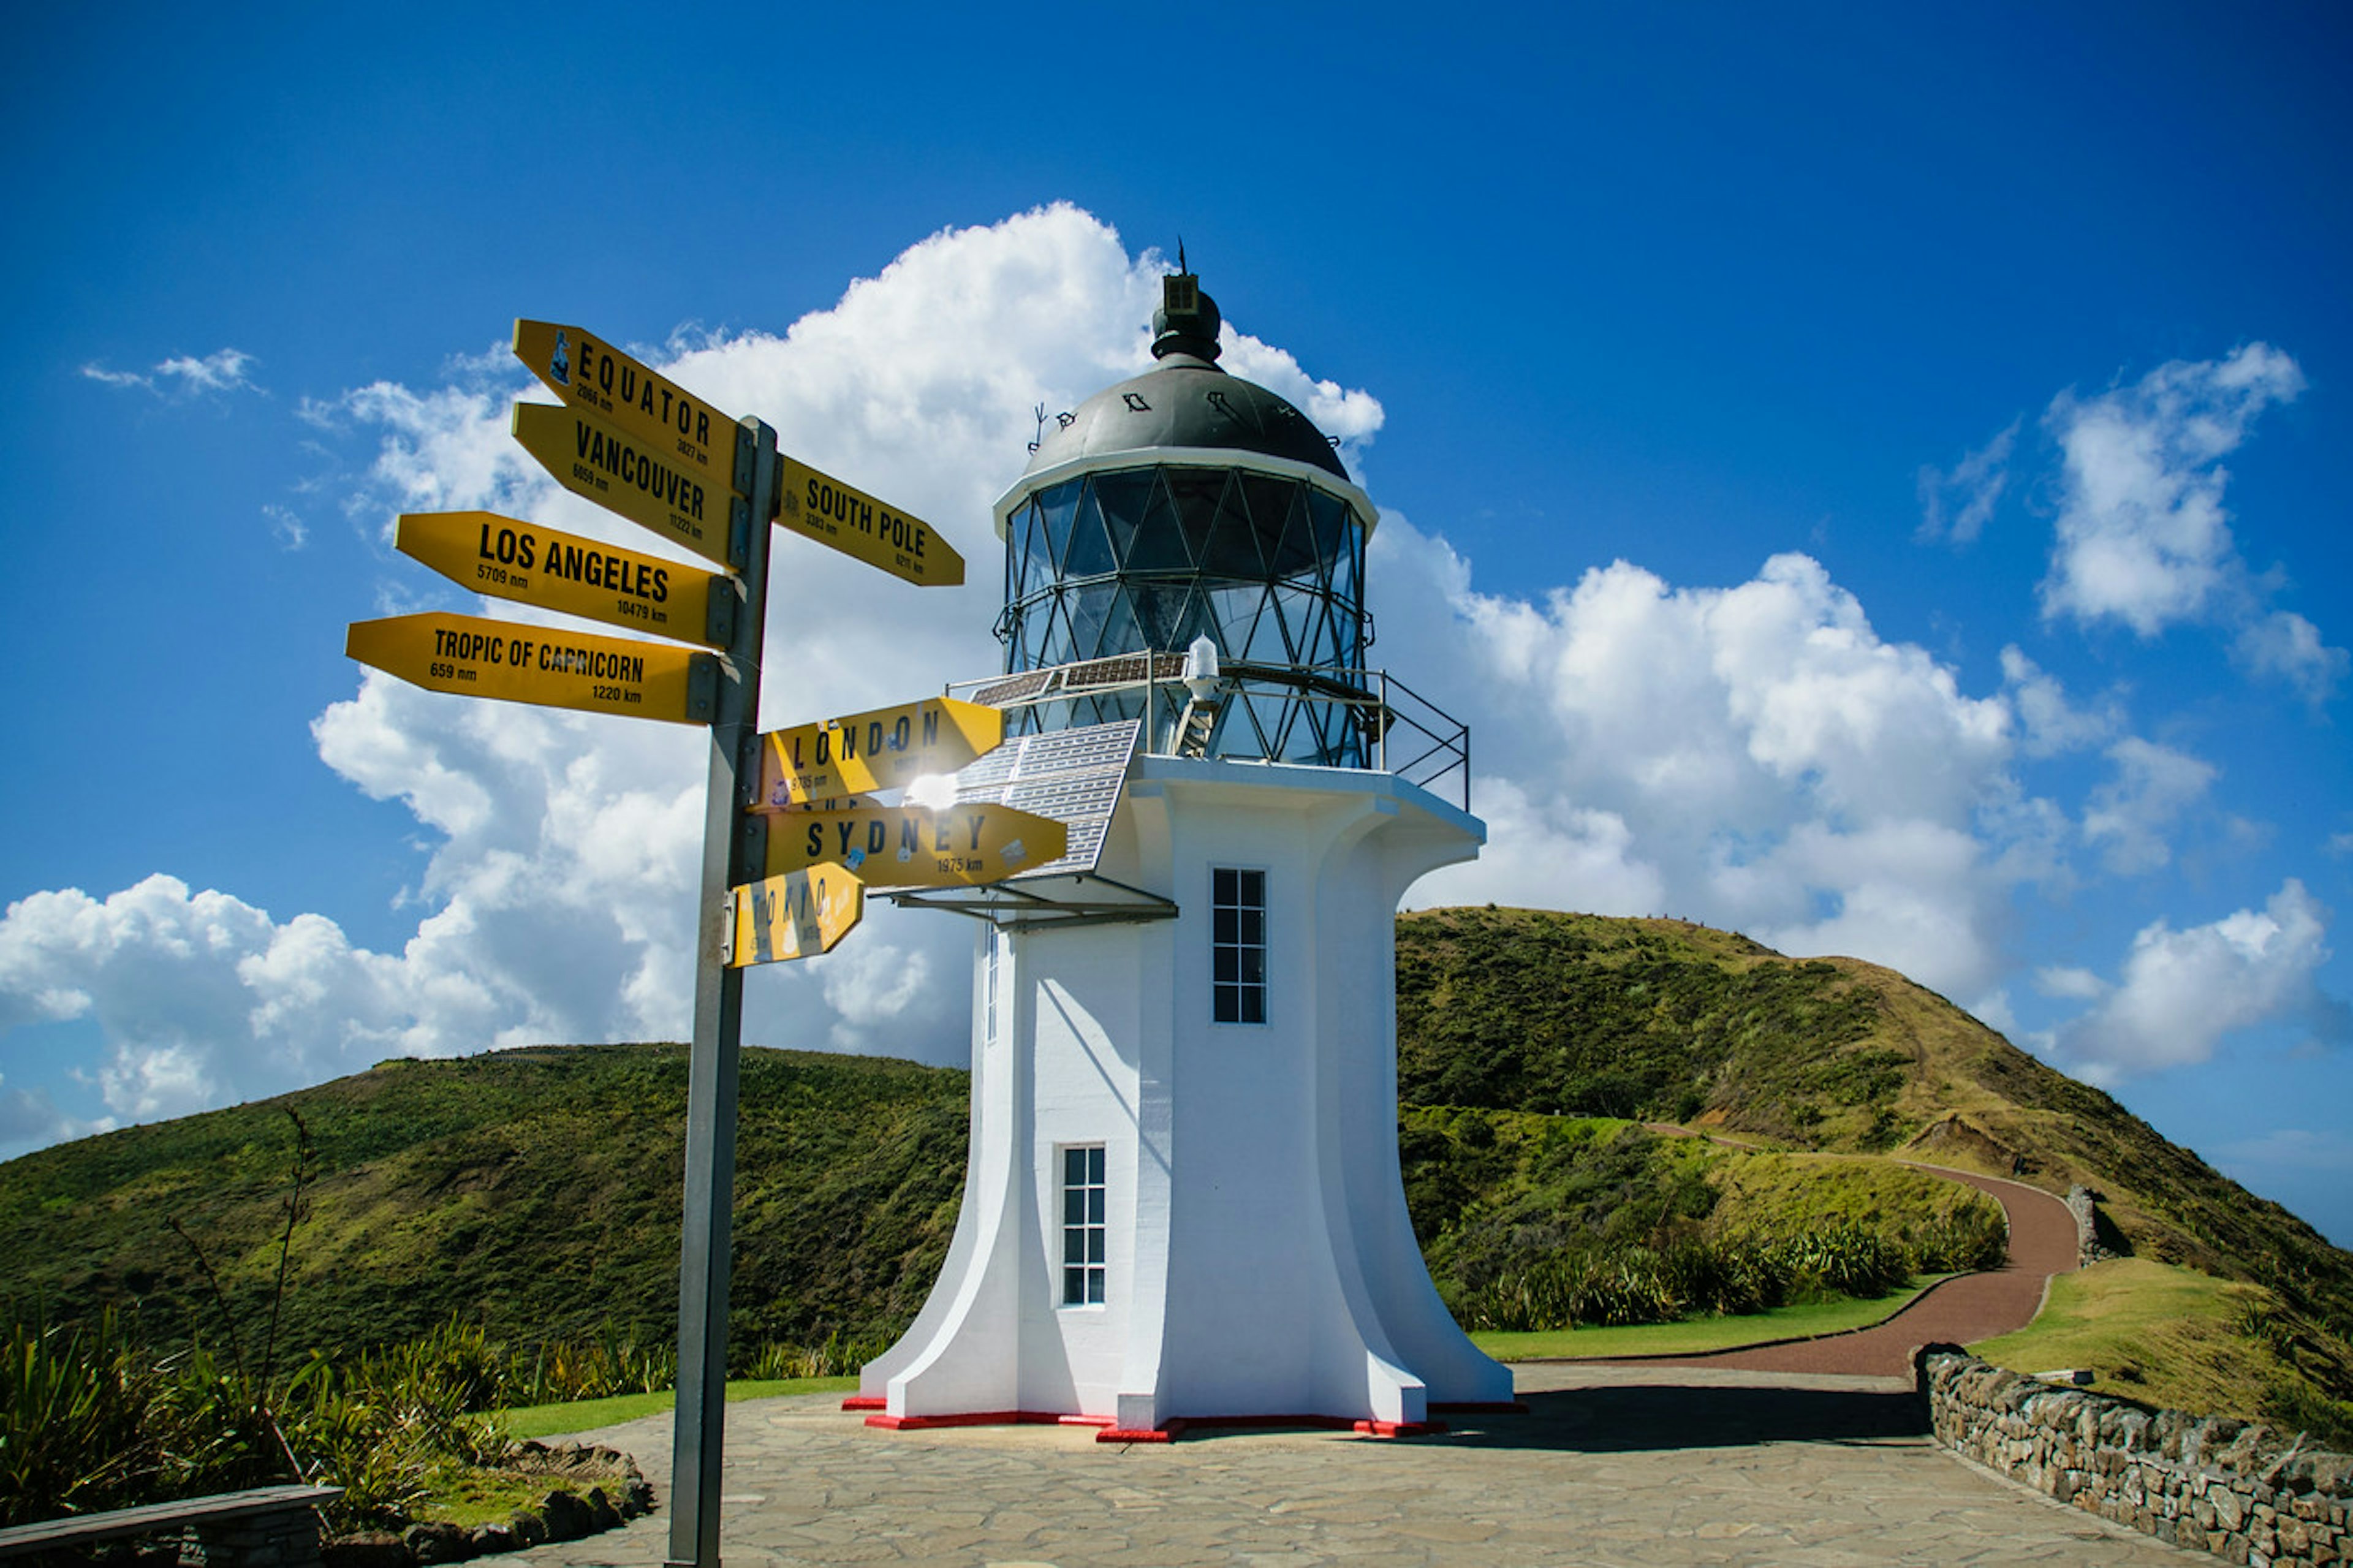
[1186, 504]
[1187, 400]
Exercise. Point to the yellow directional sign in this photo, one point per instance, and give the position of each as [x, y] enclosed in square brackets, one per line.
[555, 668]
[678, 427]
[821, 506]
[911, 847]
[879, 750]
[794, 915]
[534, 565]
[625, 475]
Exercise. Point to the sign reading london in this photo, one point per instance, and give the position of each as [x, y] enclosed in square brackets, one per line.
[913, 847]
[878, 749]
[589, 373]
[533, 565]
[626, 475]
[793, 916]
[551, 666]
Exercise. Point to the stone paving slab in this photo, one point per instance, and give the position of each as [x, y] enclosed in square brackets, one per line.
[1648, 1466]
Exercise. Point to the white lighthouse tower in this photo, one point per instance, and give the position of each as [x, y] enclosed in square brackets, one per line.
[1183, 1204]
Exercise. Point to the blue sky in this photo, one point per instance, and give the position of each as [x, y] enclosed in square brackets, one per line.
[1867, 478]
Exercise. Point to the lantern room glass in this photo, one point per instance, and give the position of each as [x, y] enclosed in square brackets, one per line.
[1147, 559]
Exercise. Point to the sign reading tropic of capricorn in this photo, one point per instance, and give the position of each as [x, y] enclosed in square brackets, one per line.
[643, 448]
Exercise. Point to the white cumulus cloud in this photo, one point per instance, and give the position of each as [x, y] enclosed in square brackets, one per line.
[2129, 815]
[2143, 539]
[2182, 991]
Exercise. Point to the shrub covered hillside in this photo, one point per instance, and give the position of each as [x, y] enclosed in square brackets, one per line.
[1657, 1019]
[534, 1192]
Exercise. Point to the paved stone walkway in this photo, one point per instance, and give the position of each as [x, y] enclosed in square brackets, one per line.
[1654, 1466]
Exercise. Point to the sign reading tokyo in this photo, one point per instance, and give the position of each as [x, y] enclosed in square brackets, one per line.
[555, 668]
[878, 749]
[588, 373]
[910, 847]
[627, 475]
[793, 916]
[533, 565]
[821, 506]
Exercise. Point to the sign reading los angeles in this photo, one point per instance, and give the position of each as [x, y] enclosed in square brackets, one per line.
[533, 565]
[550, 666]
[878, 749]
[818, 506]
[673, 423]
[913, 846]
[794, 915]
[626, 475]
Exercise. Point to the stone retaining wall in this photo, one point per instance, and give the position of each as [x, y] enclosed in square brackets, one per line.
[2242, 1492]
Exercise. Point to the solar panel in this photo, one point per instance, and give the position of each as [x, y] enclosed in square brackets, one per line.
[1073, 776]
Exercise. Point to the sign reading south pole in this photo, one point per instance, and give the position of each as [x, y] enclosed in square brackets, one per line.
[793, 916]
[821, 506]
[548, 666]
[878, 750]
[507, 559]
[673, 423]
[913, 846]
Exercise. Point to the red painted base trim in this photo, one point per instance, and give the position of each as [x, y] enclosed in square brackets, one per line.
[865, 1401]
[1166, 1432]
[980, 1418]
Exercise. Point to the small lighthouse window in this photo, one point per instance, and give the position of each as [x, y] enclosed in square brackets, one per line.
[1083, 1226]
[1238, 945]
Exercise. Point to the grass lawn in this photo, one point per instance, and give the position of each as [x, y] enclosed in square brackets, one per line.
[1700, 1335]
[587, 1415]
[2150, 1332]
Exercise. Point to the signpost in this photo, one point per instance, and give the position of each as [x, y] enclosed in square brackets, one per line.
[534, 565]
[555, 668]
[794, 915]
[648, 450]
[882, 749]
[915, 847]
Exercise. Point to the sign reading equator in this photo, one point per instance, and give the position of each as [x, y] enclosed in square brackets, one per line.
[508, 559]
[627, 475]
[589, 373]
[913, 847]
[551, 666]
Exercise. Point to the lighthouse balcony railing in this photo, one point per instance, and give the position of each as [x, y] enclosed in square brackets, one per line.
[1393, 729]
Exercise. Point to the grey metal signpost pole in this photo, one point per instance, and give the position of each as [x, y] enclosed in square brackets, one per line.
[733, 851]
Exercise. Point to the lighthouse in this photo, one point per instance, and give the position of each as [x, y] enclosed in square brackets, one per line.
[1183, 1202]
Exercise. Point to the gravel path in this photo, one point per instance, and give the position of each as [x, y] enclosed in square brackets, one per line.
[1959, 1312]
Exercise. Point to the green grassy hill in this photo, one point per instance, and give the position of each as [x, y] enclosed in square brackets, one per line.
[536, 1191]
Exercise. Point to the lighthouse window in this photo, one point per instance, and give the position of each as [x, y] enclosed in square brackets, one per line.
[1083, 1226]
[1238, 945]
